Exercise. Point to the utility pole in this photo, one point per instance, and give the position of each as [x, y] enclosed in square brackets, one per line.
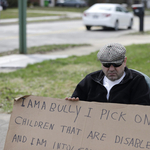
[0, 6]
[22, 26]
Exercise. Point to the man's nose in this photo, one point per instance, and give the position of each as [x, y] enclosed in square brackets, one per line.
[111, 67]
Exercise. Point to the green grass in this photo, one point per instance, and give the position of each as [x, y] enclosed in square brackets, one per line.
[140, 33]
[69, 9]
[13, 12]
[139, 57]
[58, 78]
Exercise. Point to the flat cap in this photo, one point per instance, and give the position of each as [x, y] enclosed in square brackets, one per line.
[112, 53]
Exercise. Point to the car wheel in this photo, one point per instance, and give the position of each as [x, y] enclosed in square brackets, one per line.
[88, 27]
[130, 24]
[116, 25]
[106, 28]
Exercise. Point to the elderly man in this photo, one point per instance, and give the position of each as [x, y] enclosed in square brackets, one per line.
[115, 83]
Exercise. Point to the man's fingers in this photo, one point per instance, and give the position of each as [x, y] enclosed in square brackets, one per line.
[72, 99]
[77, 99]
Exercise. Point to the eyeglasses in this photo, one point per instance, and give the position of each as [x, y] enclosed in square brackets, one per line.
[107, 65]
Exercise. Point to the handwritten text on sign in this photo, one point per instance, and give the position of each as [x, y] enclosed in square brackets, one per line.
[55, 124]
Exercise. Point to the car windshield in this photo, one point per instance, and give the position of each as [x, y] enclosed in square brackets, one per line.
[101, 7]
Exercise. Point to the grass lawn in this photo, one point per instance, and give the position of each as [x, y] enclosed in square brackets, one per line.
[13, 13]
[43, 11]
[140, 33]
[69, 9]
[58, 78]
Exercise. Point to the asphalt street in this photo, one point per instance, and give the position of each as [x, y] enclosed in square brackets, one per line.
[62, 32]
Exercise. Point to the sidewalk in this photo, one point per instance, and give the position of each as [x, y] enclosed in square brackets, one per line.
[13, 62]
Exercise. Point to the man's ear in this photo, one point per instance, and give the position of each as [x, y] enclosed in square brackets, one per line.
[125, 61]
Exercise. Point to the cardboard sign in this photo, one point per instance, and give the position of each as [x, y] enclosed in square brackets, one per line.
[41, 123]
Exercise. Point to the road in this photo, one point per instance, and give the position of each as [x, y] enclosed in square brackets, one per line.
[60, 32]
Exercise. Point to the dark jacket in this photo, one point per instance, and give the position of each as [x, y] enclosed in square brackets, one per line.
[133, 89]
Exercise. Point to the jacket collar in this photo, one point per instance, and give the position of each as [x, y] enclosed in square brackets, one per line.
[98, 76]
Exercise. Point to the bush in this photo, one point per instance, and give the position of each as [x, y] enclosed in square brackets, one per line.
[12, 3]
[91, 2]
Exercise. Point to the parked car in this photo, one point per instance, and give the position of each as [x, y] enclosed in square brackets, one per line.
[4, 4]
[59, 2]
[107, 15]
[71, 3]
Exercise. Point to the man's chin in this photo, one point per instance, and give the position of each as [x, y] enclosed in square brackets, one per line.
[112, 78]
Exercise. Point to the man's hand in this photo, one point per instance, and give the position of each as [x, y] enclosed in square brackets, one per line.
[72, 99]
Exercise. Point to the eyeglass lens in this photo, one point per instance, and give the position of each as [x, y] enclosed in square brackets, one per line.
[107, 65]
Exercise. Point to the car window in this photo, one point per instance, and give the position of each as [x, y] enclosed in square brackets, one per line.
[119, 9]
[105, 8]
[101, 7]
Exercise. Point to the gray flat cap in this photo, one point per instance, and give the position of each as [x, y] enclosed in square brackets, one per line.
[112, 53]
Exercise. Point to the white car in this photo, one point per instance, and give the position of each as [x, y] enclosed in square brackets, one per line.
[107, 15]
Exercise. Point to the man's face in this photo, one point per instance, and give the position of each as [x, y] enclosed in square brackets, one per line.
[114, 73]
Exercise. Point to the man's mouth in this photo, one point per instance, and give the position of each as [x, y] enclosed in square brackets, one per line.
[111, 74]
